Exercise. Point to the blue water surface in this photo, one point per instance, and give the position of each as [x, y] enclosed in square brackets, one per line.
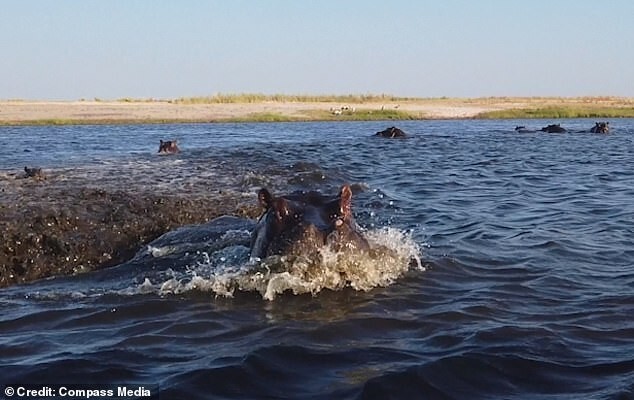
[527, 287]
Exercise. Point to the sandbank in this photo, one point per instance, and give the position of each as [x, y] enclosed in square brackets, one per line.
[21, 112]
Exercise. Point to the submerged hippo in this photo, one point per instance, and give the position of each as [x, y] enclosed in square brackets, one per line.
[600, 127]
[168, 147]
[553, 128]
[304, 221]
[391, 132]
[522, 129]
[33, 173]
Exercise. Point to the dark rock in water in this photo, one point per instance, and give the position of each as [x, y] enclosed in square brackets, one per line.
[60, 230]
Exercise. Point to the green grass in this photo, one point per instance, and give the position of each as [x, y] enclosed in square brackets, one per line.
[50, 121]
[543, 108]
[560, 112]
[262, 117]
[308, 115]
[364, 115]
[319, 115]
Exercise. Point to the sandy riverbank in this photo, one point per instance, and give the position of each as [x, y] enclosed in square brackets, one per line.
[53, 112]
[85, 111]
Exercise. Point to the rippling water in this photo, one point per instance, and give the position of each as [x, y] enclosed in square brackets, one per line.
[525, 286]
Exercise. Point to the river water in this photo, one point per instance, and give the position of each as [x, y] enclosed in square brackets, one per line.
[510, 272]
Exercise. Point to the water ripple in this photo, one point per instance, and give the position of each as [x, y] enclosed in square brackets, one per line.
[526, 290]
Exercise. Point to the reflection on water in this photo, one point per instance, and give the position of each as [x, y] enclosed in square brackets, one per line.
[524, 286]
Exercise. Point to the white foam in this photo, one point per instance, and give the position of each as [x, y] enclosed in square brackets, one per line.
[160, 251]
[390, 256]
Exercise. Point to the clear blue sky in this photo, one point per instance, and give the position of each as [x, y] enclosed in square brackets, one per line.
[71, 49]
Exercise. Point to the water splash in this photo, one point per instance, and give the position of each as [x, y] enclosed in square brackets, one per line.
[228, 270]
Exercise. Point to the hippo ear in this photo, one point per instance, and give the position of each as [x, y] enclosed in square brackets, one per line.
[281, 208]
[345, 203]
[265, 198]
[161, 142]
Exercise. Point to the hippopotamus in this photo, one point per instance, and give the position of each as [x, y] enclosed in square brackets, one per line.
[554, 128]
[33, 173]
[303, 221]
[600, 127]
[391, 132]
[168, 147]
[522, 129]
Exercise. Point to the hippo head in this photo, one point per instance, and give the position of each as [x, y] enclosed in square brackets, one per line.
[391, 132]
[553, 128]
[303, 221]
[601, 127]
[168, 147]
[33, 173]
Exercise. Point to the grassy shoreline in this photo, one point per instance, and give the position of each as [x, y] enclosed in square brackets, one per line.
[253, 117]
[559, 112]
[293, 108]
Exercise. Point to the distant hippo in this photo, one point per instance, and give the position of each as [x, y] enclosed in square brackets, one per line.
[304, 221]
[168, 147]
[554, 128]
[522, 129]
[34, 173]
[392, 132]
[600, 127]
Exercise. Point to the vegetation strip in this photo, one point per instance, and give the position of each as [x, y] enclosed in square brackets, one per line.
[559, 112]
[292, 108]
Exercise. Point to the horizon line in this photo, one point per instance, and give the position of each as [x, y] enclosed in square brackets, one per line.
[253, 97]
